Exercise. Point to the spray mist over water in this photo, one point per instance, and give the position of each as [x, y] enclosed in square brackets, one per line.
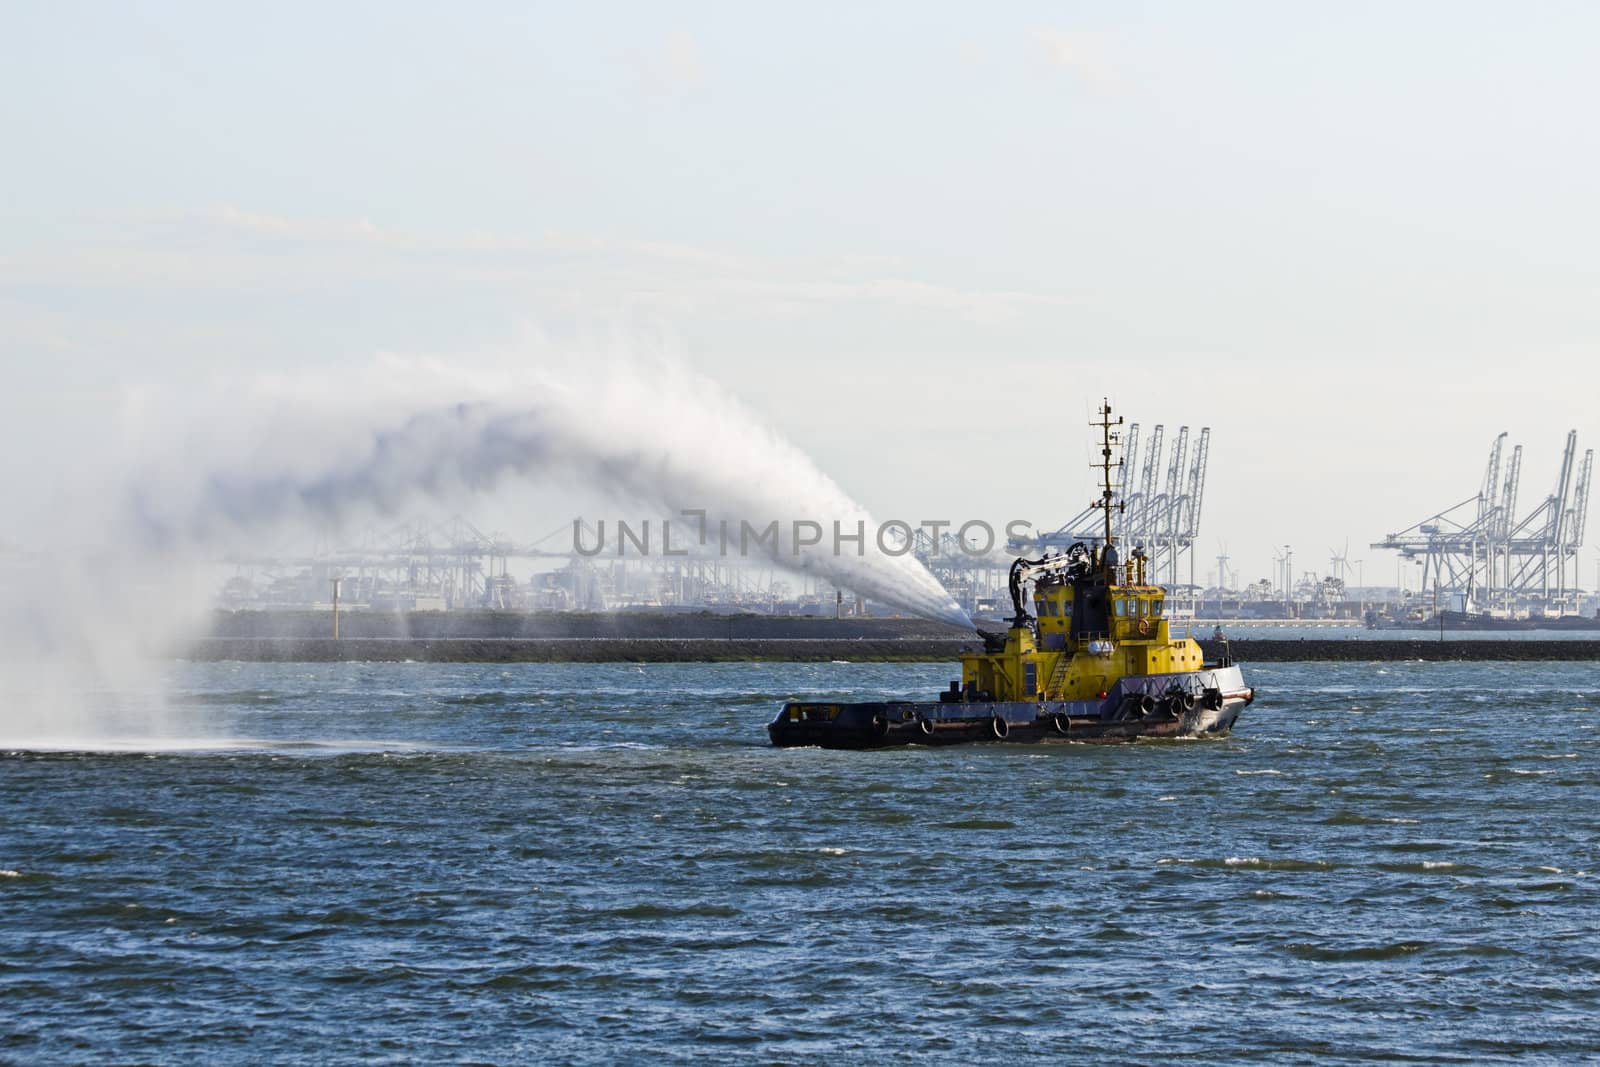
[252, 463]
[754, 480]
[647, 433]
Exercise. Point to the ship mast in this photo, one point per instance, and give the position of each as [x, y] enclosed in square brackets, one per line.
[1107, 439]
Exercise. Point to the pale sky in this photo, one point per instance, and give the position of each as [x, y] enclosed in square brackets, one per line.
[922, 240]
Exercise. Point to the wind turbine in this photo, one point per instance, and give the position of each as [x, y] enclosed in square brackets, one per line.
[1282, 577]
[1339, 563]
[1222, 565]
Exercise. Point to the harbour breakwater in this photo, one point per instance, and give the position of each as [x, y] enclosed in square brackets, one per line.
[503, 625]
[507, 637]
[577, 650]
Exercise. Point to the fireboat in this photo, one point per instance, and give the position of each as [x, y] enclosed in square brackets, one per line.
[1096, 661]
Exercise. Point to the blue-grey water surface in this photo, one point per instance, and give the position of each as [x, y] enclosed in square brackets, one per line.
[425, 863]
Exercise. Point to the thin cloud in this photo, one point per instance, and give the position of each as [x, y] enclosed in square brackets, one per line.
[680, 60]
[1087, 56]
[231, 247]
[671, 65]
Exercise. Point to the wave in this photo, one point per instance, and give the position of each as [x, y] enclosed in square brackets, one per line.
[253, 697]
[1326, 954]
[1425, 867]
[1250, 862]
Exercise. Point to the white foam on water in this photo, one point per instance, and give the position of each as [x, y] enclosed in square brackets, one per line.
[213, 745]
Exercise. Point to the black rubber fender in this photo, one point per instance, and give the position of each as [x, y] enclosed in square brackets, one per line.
[1060, 723]
[999, 727]
[925, 726]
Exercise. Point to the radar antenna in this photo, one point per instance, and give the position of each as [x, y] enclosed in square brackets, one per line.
[1105, 466]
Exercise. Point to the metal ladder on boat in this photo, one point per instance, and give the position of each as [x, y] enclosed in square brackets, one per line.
[1052, 688]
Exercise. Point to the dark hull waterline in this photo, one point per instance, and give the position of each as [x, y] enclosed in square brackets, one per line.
[1191, 704]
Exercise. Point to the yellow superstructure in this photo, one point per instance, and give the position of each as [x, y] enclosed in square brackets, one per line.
[1095, 621]
[1060, 664]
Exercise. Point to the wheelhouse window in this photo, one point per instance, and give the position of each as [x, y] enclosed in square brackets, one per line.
[1155, 607]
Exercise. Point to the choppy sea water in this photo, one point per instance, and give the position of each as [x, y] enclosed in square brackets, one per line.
[589, 864]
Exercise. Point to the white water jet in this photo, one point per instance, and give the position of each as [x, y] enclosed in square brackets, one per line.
[122, 581]
[650, 433]
[87, 618]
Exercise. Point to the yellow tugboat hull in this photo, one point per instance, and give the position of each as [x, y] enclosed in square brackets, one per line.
[1203, 703]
